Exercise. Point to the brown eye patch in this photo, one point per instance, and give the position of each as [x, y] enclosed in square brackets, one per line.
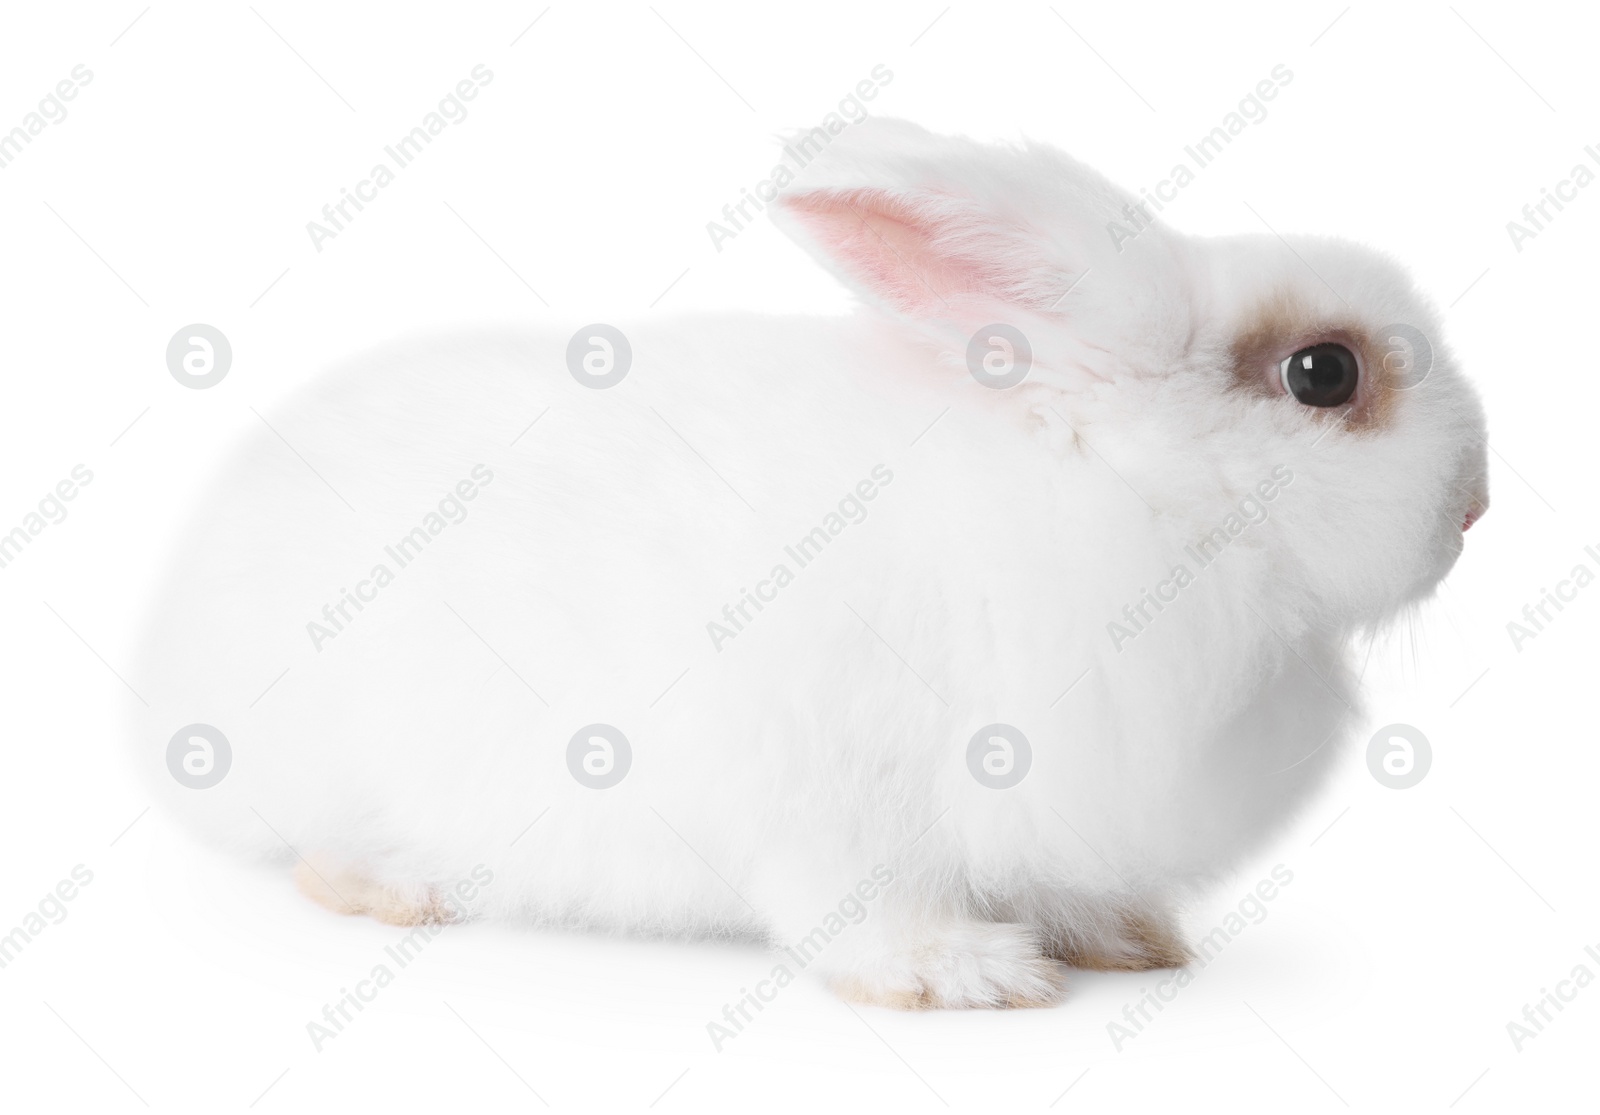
[1284, 325]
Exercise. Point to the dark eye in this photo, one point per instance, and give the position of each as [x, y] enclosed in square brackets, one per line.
[1321, 376]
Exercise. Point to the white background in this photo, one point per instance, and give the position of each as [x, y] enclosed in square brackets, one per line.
[177, 190]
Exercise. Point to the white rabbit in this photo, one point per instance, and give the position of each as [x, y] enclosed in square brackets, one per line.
[934, 684]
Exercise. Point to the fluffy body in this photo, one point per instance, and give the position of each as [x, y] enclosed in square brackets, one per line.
[829, 735]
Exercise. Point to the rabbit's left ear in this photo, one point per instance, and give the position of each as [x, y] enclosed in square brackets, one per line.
[926, 255]
[954, 234]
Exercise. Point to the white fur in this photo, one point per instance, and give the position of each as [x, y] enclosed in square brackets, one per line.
[830, 735]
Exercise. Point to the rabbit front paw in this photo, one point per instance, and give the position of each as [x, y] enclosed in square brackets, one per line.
[1134, 939]
[959, 965]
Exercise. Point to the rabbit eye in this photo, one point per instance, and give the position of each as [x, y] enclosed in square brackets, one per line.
[1323, 375]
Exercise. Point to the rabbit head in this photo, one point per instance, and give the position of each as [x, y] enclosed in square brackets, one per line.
[1198, 365]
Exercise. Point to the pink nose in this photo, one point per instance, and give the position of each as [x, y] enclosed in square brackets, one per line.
[1473, 515]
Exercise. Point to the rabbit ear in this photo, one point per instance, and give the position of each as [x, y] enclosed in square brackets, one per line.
[954, 234]
[927, 256]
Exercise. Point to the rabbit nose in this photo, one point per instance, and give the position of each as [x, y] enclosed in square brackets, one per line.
[1475, 511]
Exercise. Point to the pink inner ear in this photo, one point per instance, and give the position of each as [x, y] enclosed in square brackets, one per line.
[911, 257]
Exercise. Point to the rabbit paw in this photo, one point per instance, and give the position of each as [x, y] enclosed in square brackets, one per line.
[978, 964]
[1137, 940]
[345, 891]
